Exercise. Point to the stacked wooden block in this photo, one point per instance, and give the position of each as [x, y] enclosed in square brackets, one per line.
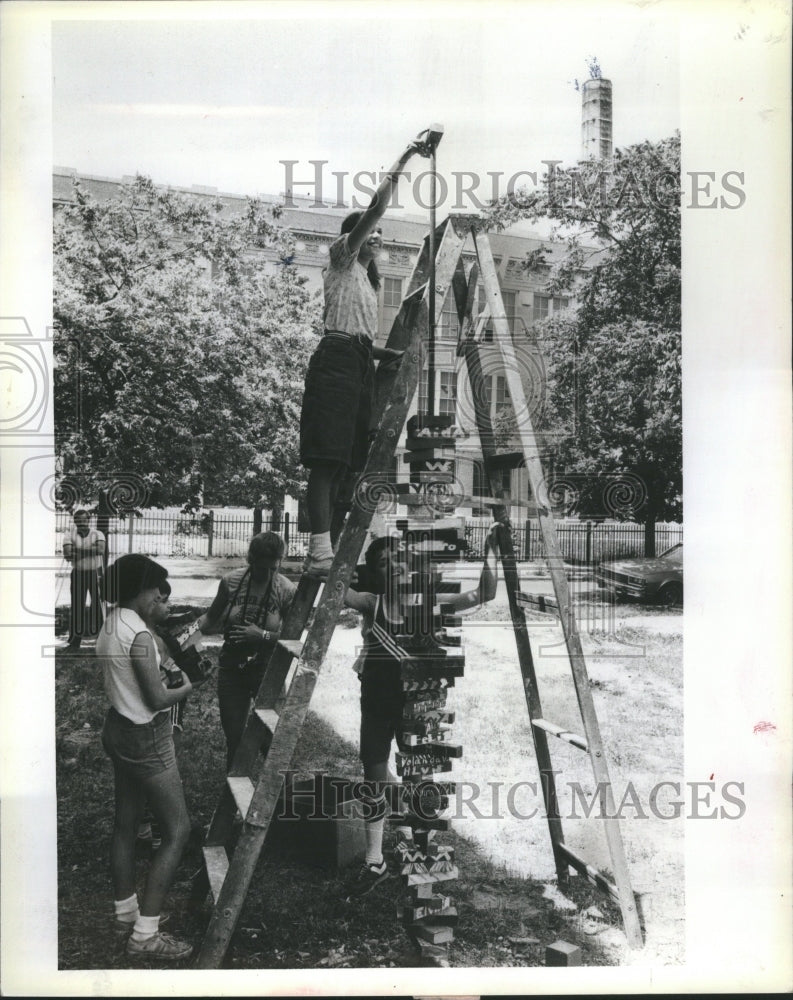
[435, 660]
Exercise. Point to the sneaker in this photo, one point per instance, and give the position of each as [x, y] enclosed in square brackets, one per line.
[367, 878]
[318, 568]
[160, 945]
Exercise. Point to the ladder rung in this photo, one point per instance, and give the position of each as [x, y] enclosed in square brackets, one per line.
[538, 602]
[269, 717]
[562, 734]
[217, 864]
[242, 790]
[292, 646]
[596, 877]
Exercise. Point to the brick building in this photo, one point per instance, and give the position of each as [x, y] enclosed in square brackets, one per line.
[525, 302]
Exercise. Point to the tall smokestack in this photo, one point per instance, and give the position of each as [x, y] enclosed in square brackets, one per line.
[596, 119]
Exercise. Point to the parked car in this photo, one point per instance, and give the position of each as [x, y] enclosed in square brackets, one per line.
[657, 580]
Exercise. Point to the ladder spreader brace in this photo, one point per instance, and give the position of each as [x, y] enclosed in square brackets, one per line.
[282, 702]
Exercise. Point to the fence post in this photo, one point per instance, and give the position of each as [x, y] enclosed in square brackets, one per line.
[286, 532]
[257, 520]
[527, 543]
[589, 543]
[210, 532]
[130, 530]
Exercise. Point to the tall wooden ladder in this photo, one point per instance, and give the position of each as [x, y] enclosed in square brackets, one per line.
[529, 455]
[275, 721]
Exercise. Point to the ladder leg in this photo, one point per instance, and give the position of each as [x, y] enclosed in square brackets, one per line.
[531, 457]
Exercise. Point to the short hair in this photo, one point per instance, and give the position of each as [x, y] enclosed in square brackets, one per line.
[373, 553]
[81, 512]
[130, 575]
[165, 588]
[366, 576]
[266, 543]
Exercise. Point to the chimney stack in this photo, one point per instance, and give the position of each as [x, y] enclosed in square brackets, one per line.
[596, 119]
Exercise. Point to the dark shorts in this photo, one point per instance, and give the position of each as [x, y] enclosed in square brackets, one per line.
[337, 403]
[142, 750]
[382, 700]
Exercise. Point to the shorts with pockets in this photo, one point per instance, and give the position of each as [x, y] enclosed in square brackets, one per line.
[337, 403]
[142, 750]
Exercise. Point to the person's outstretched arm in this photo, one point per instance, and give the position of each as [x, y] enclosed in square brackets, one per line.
[376, 210]
[486, 590]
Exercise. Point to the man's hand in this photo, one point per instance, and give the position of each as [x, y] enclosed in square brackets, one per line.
[239, 634]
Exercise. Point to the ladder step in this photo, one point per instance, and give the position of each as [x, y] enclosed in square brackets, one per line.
[269, 717]
[242, 790]
[217, 865]
[563, 734]
[591, 873]
[538, 602]
[292, 646]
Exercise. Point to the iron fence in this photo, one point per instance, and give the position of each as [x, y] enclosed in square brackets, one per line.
[226, 534]
[583, 542]
[166, 533]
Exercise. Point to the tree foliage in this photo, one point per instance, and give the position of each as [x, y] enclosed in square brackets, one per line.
[614, 377]
[163, 373]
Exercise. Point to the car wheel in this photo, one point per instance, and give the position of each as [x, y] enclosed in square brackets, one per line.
[671, 595]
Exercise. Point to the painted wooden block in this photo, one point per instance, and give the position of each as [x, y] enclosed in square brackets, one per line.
[414, 708]
[562, 953]
[428, 723]
[433, 933]
[431, 878]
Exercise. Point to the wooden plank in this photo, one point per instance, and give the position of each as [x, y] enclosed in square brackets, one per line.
[560, 733]
[538, 602]
[269, 718]
[595, 877]
[242, 789]
[292, 646]
[217, 864]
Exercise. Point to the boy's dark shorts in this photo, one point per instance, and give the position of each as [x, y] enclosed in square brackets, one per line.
[382, 701]
[337, 403]
[142, 750]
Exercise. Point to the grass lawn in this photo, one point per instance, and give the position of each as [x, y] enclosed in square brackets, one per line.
[510, 907]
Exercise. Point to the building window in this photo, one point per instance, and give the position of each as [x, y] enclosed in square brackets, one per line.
[445, 392]
[392, 292]
[447, 397]
[545, 305]
[448, 325]
[502, 393]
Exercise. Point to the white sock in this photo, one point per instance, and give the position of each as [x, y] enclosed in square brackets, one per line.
[320, 547]
[145, 927]
[374, 842]
[127, 909]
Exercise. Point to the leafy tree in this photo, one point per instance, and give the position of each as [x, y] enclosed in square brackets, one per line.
[614, 379]
[164, 374]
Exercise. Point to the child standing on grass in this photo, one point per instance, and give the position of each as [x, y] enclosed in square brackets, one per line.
[382, 698]
[337, 400]
[138, 738]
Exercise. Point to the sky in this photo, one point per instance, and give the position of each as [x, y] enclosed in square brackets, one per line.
[221, 102]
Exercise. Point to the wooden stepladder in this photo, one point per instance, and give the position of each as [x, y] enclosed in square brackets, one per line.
[276, 719]
[529, 455]
[274, 724]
